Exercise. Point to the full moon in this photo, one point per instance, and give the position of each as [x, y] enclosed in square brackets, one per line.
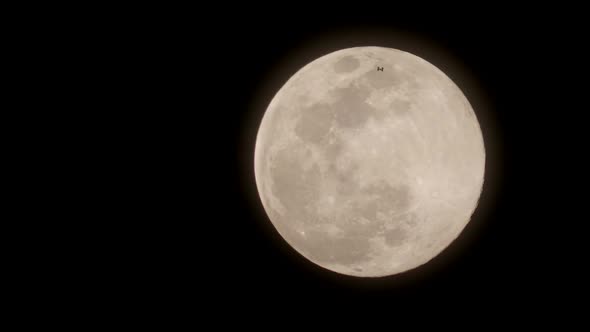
[369, 161]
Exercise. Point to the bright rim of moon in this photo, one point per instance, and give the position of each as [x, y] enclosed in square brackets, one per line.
[369, 161]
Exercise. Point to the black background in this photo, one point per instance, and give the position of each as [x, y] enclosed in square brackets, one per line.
[199, 82]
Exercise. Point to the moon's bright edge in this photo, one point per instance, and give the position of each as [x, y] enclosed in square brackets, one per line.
[369, 172]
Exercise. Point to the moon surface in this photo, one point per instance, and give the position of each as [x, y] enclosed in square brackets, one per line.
[369, 161]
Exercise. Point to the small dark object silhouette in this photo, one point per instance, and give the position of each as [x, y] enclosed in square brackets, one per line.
[379, 68]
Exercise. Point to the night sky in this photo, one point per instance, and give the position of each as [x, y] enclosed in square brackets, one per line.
[205, 78]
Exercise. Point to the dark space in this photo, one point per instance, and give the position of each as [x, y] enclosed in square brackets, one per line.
[195, 232]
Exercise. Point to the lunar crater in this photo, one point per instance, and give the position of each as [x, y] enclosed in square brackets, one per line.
[346, 64]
